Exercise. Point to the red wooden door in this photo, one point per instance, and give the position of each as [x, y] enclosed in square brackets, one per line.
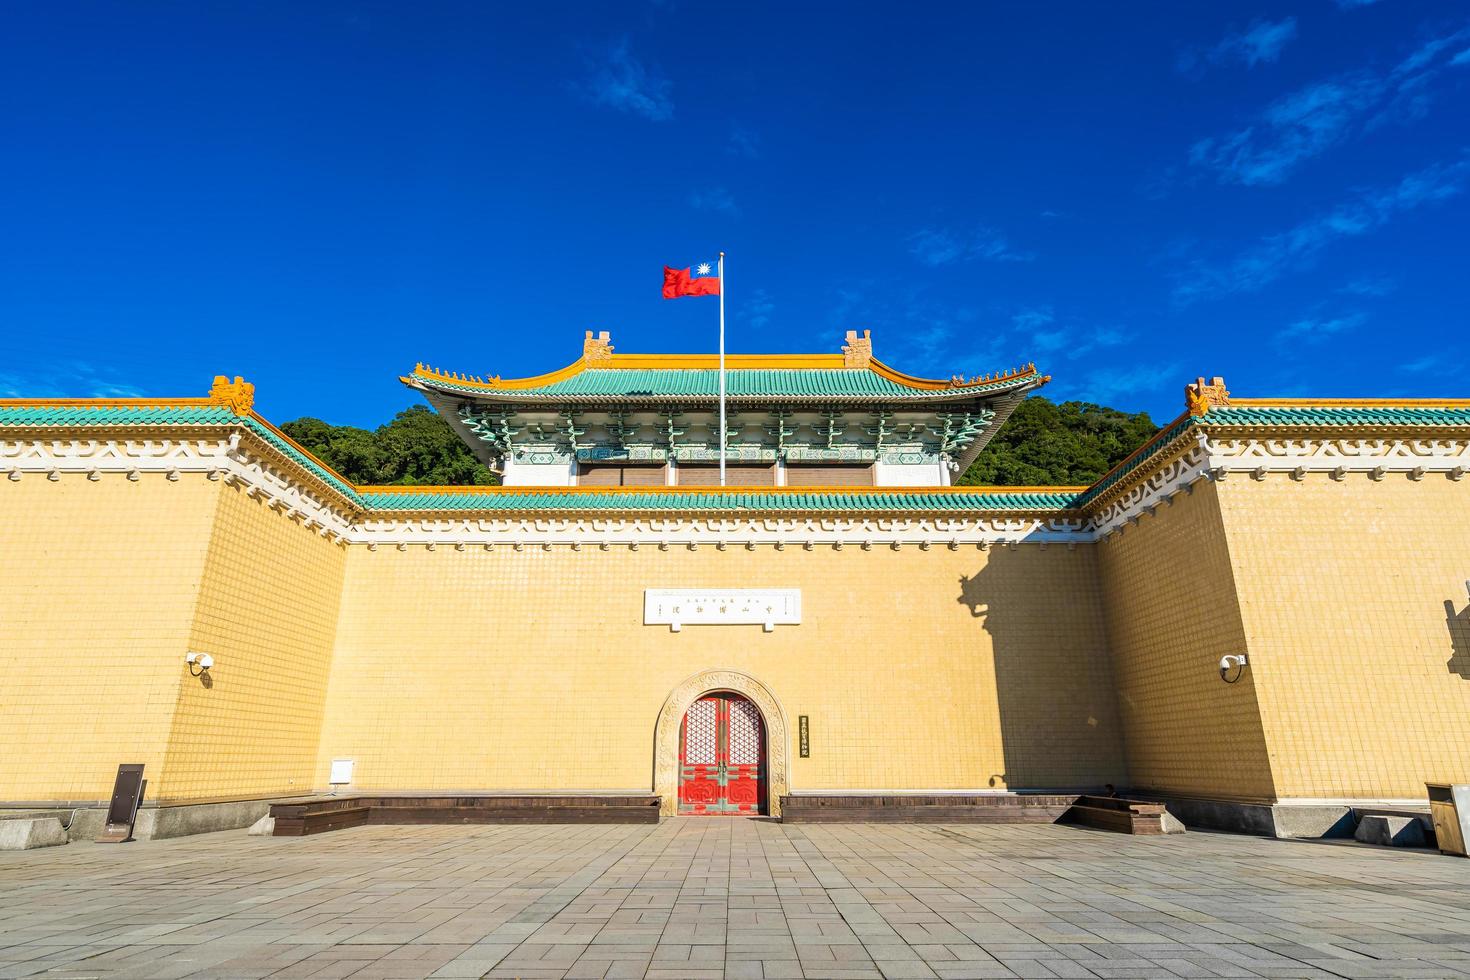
[722, 757]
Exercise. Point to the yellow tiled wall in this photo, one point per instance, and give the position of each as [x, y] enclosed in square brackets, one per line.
[1353, 596]
[97, 589]
[939, 669]
[1170, 598]
[267, 613]
[533, 670]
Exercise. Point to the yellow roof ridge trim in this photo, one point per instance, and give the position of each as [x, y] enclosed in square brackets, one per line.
[709, 362]
[696, 491]
[1350, 403]
[107, 402]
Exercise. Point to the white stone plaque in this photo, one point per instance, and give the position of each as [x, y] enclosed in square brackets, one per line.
[676, 607]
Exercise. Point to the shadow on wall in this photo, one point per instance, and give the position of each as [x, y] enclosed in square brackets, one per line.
[1459, 627]
[1058, 717]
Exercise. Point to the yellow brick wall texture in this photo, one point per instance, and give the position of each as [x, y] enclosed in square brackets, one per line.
[533, 670]
[967, 669]
[97, 589]
[267, 613]
[1169, 595]
[1353, 598]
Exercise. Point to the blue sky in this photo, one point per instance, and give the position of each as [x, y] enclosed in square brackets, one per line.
[318, 195]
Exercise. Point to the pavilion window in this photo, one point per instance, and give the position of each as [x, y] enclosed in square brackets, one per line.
[829, 475]
[704, 475]
[619, 475]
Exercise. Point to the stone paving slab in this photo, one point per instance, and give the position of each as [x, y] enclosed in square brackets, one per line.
[731, 899]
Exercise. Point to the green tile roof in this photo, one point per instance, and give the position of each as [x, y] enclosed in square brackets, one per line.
[116, 415]
[1330, 416]
[802, 501]
[816, 501]
[739, 383]
[185, 415]
[1336, 415]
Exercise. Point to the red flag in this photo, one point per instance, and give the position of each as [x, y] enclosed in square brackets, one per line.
[677, 282]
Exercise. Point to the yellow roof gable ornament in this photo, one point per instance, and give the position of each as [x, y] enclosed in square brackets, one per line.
[1200, 397]
[237, 395]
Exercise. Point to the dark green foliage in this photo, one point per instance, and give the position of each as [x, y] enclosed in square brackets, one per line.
[417, 448]
[1042, 443]
[1046, 444]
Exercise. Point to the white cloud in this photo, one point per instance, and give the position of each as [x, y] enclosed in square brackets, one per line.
[1277, 254]
[940, 246]
[1311, 120]
[1315, 328]
[68, 379]
[1109, 387]
[758, 309]
[620, 81]
[714, 199]
[744, 143]
[1261, 42]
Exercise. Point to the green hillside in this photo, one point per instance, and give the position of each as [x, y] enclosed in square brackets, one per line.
[1043, 443]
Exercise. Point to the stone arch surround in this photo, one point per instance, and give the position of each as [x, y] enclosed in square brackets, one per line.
[666, 735]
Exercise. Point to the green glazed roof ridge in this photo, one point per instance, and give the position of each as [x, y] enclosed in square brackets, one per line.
[740, 383]
[60, 415]
[330, 476]
[1335, 415]
[1253, 415]
[397, 499]
[814, 501]
[1164, 437]
[174, 415]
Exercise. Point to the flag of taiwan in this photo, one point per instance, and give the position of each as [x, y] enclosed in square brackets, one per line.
[678, 282]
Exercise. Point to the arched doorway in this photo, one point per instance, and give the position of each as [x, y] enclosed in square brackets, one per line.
[722, 757]
[668, 735]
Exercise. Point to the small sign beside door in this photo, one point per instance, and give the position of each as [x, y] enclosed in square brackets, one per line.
[803, 737]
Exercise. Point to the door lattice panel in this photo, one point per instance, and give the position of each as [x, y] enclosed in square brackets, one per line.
[745, 734]
[700, 733]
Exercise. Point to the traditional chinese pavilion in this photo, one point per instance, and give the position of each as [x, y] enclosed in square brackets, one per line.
[613, 419]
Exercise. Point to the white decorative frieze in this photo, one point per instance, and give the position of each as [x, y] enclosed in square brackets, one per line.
[242, 459]
[244, 462]
[718, 533]
[676, 608]
[1256, 457]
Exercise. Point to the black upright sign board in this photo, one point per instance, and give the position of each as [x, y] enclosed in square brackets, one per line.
[122, 812]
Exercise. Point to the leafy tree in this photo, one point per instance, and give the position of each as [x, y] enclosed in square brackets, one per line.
[417, 448]
[1071, 444]
[1042, 443]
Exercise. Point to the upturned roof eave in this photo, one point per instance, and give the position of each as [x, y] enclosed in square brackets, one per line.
[917, 398]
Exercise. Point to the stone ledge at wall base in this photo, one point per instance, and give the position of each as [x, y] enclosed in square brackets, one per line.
[925, 808]
[1122, 816]
[26, 833]
[1423, 818]
[1285, 821]
[318, 815]
[1109, 813]
[156, 822]
[1391, 831]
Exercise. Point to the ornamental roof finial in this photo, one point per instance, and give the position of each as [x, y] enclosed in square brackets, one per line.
[858, 351]
[237, 395]
[1199, 397]
[598, 348]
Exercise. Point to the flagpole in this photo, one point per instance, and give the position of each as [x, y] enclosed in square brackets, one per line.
[722, 369]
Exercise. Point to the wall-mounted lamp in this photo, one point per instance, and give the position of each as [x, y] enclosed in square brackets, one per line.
[198, 663]
[1232, 667]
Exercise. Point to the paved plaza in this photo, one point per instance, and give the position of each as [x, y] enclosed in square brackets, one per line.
[732, 898]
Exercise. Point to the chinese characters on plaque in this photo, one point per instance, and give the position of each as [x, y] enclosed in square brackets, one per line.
[678, 607]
